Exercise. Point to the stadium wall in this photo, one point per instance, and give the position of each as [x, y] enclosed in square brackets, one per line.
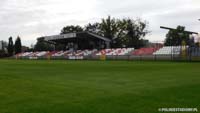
[121, 57]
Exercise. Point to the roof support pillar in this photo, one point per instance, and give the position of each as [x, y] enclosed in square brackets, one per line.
[107, 45]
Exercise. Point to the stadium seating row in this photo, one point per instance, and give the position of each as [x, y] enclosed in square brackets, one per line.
[118, 51]
[31, 54]
[113, 52]
[70, 53]
[167, 50]
[57, 53]
[144, 51]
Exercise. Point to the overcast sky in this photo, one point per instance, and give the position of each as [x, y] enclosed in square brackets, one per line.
[32, 19]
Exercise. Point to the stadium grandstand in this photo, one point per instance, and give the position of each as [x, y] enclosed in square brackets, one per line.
[164, 53]
[79, 41]
[87, 45]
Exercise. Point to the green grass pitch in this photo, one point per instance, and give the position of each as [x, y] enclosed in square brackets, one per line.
[97, 86]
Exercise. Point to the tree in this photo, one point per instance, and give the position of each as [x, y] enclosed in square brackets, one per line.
[41, 45]
[10, 47]
[18, 45]
[120, 39]
[94, 28]
[108, 27]
[122, 32]
[130, 33]
[136, 30]
[177, 36]
[71, 29]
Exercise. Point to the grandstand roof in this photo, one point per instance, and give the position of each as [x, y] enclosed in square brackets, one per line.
[73, 35]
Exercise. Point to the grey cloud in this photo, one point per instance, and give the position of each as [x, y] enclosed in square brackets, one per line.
[35, 18]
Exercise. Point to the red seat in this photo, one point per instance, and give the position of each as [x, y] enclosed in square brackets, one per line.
[145, 51]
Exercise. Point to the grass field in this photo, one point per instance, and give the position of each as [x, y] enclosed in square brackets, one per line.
[97, 86]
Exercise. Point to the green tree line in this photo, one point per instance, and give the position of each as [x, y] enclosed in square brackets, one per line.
[179, 36]
[14, 48]
[124, 32]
